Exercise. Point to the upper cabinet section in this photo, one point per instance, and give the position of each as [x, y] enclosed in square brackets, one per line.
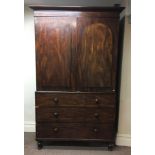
[76, 48]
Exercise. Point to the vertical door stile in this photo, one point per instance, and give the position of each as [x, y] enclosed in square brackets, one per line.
[73, 54]
[115, 54]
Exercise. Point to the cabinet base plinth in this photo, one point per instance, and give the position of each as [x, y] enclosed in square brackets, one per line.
[108, 145]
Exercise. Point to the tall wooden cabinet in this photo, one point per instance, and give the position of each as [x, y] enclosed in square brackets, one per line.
[76, 74]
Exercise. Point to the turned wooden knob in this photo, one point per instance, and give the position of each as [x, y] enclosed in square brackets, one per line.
[97, 100]
[96, 115]
[56, 100]
[56, 114]
[95, 130]
[55, 129]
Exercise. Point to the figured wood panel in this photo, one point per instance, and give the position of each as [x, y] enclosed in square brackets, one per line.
[95, 53]
[53, 52]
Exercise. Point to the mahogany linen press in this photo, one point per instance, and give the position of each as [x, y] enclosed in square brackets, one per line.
[77, 55]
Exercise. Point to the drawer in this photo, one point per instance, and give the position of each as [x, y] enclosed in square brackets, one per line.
[75, 131]
[100, 115]
[75, 99]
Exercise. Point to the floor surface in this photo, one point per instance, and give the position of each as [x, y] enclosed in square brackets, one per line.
[30, 148]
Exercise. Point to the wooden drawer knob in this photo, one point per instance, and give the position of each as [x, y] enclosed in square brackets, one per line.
[97, 100]
[56, 100]
[56, 114]
[37, 107]
[55, 129]
[95, 130]
[96, 115]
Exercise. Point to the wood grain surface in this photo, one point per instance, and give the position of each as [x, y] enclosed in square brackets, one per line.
[61, 99]
[91, 115]
[53, 52]
[75, 131]
[95, 44]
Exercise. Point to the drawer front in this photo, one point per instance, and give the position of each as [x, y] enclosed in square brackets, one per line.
[99, 115]
[75, 99]
[75, 131]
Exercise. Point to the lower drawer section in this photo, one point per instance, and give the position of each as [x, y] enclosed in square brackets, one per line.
[75, 131]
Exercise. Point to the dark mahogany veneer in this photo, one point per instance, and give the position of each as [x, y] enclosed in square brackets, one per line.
[76, 73]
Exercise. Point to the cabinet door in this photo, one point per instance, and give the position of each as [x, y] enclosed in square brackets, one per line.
[96, 53]
[53, 52]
